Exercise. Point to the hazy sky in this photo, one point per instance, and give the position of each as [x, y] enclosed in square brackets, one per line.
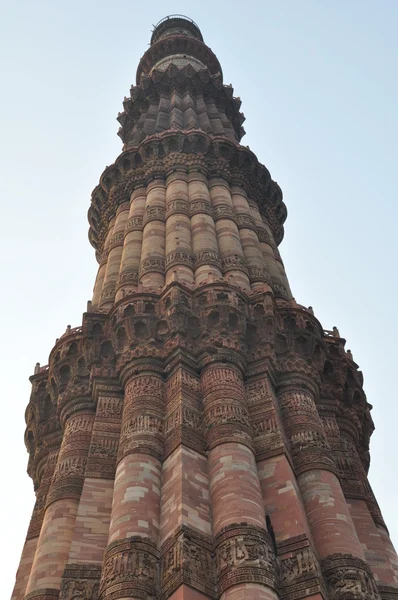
[318, 81]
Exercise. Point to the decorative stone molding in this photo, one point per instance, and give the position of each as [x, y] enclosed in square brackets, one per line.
[143, 415]
[101, 461]
[349, 578]
[300, 574]
[68, 478]
[130, 568]
[43, 594]
[309, 447]
[187, 558]
[387, 592]
[198, 150]
[193, 362]
[244, 555]
[80, 581]
[36, 520]
[150, 265]
[226, 417]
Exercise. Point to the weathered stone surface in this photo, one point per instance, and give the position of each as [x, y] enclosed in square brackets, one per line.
[200, 436]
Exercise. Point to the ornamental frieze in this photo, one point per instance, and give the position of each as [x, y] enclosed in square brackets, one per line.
[134, 224]
[258, 274]
[308, 438]
[41, 495]
[244, 554]
[216, 376]
[116, 240]
[108, 292]
[259, 392]
[109, 407]
[187, 558]
[70, 466]
[181, 381]
[149, 265]
[183, 415]
[80, 581]
[146, 423]
[206, 257]
[349, 578]
[296, 401]
[198, 207]
[178, 257]
[212, 368]
[221, 413]
[264, 236]
[232, 263]
[270, 198]
[184, 425]
[154, 213]
[279, 289]
[245, 222]
[265, 426]
[224, 211]
[104, 447]
[300, 574]
[267, 438]
[128, 277]
[175, 207]
[79, 424]
[143, 385]
[331, 428]
[130, 568]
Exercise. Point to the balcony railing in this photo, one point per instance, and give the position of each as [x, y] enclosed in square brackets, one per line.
[176, 16]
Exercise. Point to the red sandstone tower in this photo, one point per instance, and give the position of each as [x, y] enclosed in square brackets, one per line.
[200, 436]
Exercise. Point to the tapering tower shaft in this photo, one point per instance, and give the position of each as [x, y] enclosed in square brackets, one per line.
[200, 436]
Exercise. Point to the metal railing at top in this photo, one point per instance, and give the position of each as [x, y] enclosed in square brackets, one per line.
[176, 16]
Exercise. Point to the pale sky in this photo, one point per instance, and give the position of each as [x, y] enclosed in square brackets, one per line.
[318, 82]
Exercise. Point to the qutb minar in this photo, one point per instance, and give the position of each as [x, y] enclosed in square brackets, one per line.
[200, 435]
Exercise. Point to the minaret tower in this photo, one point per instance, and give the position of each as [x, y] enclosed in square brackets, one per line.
[200, 436]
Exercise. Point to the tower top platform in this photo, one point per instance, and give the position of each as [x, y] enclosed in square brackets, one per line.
[175, 25]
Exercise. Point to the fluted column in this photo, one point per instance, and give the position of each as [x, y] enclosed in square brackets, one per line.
[335, 538]
[185, 524]
[103, 261]
[152, 263]
[61, 509]
[379, 550]
[178, 228]
[277, 270]
[91, 531]
[133, 232]
[279, 281]
[281, 495]
[254, 259]
[32, 538]
[370, 527]
[206, 256]
[244, 556]
[114, 257]
[232, 259]
[130, 565]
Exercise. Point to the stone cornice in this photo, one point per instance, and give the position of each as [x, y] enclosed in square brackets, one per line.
[178, 44]
[184, 79]
[160, 153]
[175, 330]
